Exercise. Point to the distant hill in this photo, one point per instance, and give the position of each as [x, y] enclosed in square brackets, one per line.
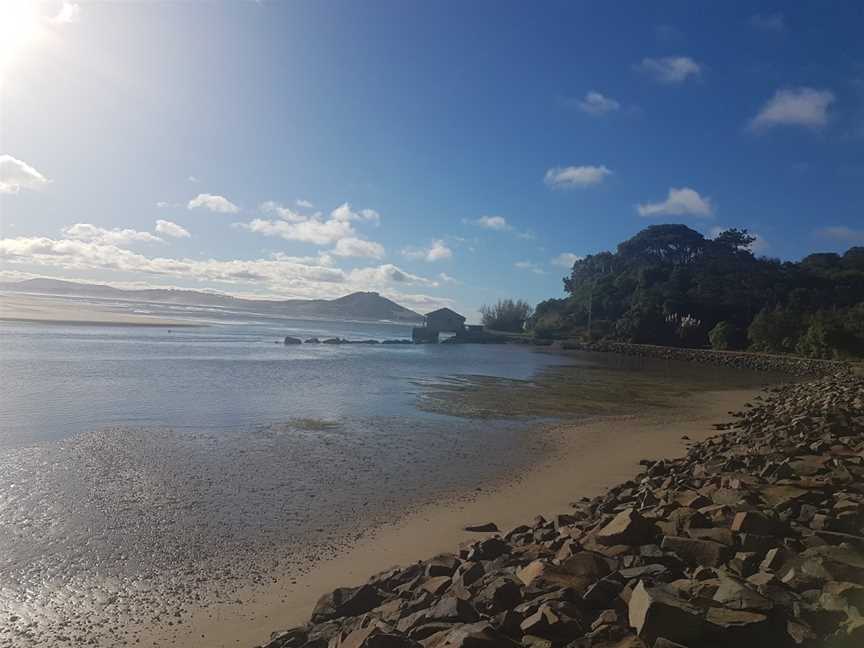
[369, 306]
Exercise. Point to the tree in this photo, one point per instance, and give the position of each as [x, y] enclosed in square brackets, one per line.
[726, 337]
[506, 315]
[669, 284]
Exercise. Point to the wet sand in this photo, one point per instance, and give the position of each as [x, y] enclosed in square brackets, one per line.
[581, 460]
[46, 309]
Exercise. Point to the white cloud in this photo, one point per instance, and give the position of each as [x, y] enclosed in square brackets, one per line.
[768, 22]
[802, 106]
[597, 104]
[314, 230]
[529, 266]
[344, 213]
[437, 251]
[387, 273]
[214, 203]
[284, 275]
[285, 213]
[16, 174]
[671, 69]
[443, 276]
[161, 204]
[304, 203]
[193, 178]
[171, 229]
[565, 260]
[354, 247]
[575, 176]
[842, 234]
[498, 223]
[679, 202]
[69, 13]
[116, 236]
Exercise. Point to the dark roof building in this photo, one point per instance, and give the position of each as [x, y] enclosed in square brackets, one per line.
[445, 320]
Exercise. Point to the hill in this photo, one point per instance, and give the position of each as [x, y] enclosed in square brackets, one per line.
[368, 306]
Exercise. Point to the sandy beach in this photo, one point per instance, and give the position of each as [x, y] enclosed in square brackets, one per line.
[583, 460]
[53, 310]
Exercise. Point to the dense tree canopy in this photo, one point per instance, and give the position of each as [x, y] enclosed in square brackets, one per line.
[671, 285]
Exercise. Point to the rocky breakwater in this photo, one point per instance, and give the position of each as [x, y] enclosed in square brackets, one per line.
[755, 538]
[792, 365]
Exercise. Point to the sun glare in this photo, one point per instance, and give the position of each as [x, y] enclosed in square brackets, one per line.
[18, 24]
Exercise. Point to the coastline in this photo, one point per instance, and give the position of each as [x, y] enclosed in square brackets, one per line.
[25, 309]
[585, 459]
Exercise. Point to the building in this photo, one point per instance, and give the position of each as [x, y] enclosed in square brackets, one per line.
[439, 321]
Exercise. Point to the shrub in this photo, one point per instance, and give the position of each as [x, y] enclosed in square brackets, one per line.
[506, 315]
[725, 336]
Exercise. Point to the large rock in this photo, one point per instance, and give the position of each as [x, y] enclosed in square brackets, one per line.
[346, 601]
[696, 552]
[475, 635]
[626, 528]
[657, 612]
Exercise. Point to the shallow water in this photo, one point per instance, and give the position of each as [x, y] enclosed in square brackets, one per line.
[147, 471]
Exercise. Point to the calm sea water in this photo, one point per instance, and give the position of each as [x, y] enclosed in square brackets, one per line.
[58, 381]
[145, 470]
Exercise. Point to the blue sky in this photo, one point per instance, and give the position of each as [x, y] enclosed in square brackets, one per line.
[442, 153]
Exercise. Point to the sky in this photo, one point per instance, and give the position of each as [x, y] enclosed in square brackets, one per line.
[441, 153]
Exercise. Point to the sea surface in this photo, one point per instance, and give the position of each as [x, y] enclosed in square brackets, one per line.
[147, 470]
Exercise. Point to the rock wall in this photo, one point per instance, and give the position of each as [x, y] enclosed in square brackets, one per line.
[791, 365]
[754, 538]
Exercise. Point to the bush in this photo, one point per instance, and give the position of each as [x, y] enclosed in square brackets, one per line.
[725, 336]
[506, 315]
[775, 330]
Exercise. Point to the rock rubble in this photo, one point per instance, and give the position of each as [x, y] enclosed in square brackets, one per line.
[754, 538]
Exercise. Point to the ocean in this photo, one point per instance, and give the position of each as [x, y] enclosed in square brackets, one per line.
[143, 468]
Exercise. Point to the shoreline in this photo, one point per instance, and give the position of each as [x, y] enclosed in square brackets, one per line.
[586, 459]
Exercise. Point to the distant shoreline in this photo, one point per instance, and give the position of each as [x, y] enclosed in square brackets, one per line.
[26, 309]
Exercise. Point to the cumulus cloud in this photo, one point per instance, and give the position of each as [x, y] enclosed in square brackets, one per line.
[69, 13]
[16, 175]
[304, 203]
[354, 247]
[443, 276]
[345, 214]
[768, 22]
[597, 104]
[214, 203]
[171, 229]
[313, 230]
[529, 266]
[842, 234]
[565, 260]
[806, 107]
[437, 251]
[337, 229]
[388, 273]
[116, 236]
[299, 276]
[679, 202]
[498, 223]
[285, 213]
[670, 69]
[575, 176]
